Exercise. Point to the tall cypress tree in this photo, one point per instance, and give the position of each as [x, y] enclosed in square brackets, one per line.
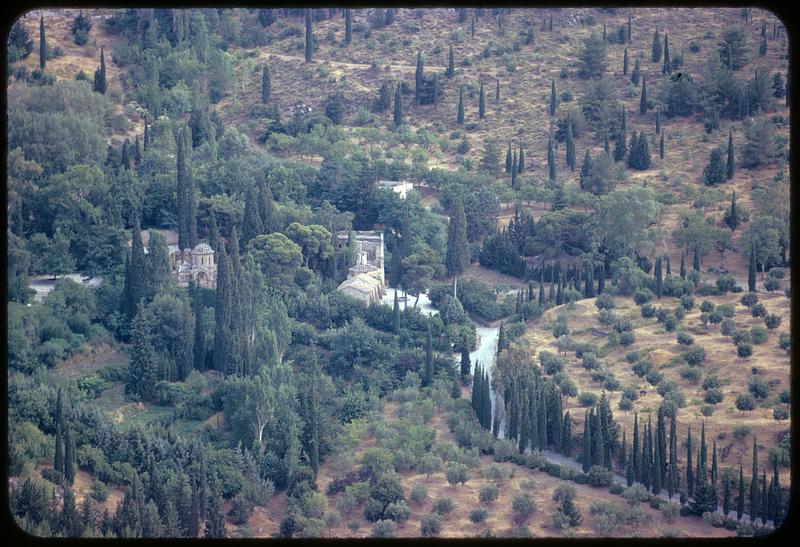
[661, 146]
[733, 216]
[754, 484]
[630, 29]
[551, 159]
[482, 104]
[58, 461]
[348, 26]
[658, 121]
[659, 278]
[223, 310]
[672, 482]
[69, 456]
[465, 360]
[683, 265]
[643, 99]
[689, 455]
[764, 497]
[625, 63]
[398, 107]
[451, 70]
[497, 91]
[656, 47]
[309, 37]
[696, 260]
[714, 472]
[252, 225]
[587, 442]
[570, 147]
[42, 44]
[428, 358]
[521, 162]
[418, 78]
[553, 97]
[100, 84]
[635, 456]
[730, 167]
[636, 71]
[666, 68]
[751, 270]
[726, 493]
[460, 115]
[457, 257]
[266, 85]
[740, 497]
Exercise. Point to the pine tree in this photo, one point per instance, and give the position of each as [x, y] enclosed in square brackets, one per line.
[729, 169]
[625, 63]
[451, 70]
[265, 84]
[481, 104]
[428, 358]
[457, 257]
[553, 97]
[460, 115]
[643, 99]
[666, 67]
[348, 26]
[398, 107]
[309, 37]
[751, 271]
[551, 159]
[656, 47]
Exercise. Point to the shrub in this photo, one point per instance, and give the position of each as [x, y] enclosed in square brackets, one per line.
[631, 393]
[690, 374]
[713, 396]
[478, 515]
[727, 327]
[725, 283]
[780, 413]
[745, 402]
[457, 474]
[741, 336]
[727, 310]
[715, 317]
[604, 302]
[632, 356]
[606, 317]
[443, 506]
[695, 355]
[642, 296]
[758, 310]
[772, 321]
[785, 396]
[641, 368]
[654, 377]
[599, 476]
[685, 338]
[99, 490]
[741, 431]
[625, 404]
[626, 338]
[670, 322]
[418, 493]
[706, 306]
[616, 489]
[647, 311]
[759, 334]
[758, 388]
[488, 493]
[785, 341]
[590, 361]
[772, 285]
[587, 399]
[522, 507]
[383, 529]
[551, 362]
[749, 299]
[430, 525]
[687, 302]
[744, 350]
[707, 410]
[635, 494]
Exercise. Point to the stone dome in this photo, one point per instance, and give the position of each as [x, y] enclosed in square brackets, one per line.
[202, 249]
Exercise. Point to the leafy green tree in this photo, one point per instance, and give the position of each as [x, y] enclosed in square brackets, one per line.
[593, 57]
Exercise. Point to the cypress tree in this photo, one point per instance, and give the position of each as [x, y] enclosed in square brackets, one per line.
[69, 456]
[428, 358]
[396, 315]
[551, 159]
[398, 107]
[501, 339]
[733, 216]
[472, 26]
[541, 291]
[668, 269]
[696, 260]
[623, 453]
[435, 90]
[465, 360]
[418, 78]
[223, 310]
[643, 99]
[605, 143]
[740, 497]
[659, 278]
[550, 25]
[658, 121]
[42, 45]
[143, 367]
[482, 104]
[509, 159]
[714, 472]
[604, 31]
[265, 84]
[455, 386]
[587, 442]
[656, 468]
[146, 133]
[570, 147]
[754, 484]
[252, 225]
[460, 115]
[661, 147]
[629, 475]
[266, 208]
[683, 265]
[348, 26]
[136, 274]
[665, 68]
[215, 523]
[656, 47]
[553, 97]
[514, 171]
[601, 279]
[451, 70]
[100, 84]
[309, 37]
[497, 91]
[457, 257]
[764, 498]
[58, 461]
[635, 72]
[726, 495]
[751, 270]
[635, 457]
[125, 161]
[689, 474]
[672, 482]
[629, 28]
[521, 163]
[729, 167]
[625, 63]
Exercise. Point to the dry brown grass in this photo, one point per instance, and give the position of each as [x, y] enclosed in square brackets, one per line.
[721, 360]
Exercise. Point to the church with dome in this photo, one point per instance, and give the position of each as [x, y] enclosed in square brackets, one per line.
[194, 265]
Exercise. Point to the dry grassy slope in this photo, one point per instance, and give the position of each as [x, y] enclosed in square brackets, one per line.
[266, 521]
[521, 116]
[721, 359]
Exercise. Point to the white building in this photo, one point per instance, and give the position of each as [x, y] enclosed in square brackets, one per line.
[400, 187]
